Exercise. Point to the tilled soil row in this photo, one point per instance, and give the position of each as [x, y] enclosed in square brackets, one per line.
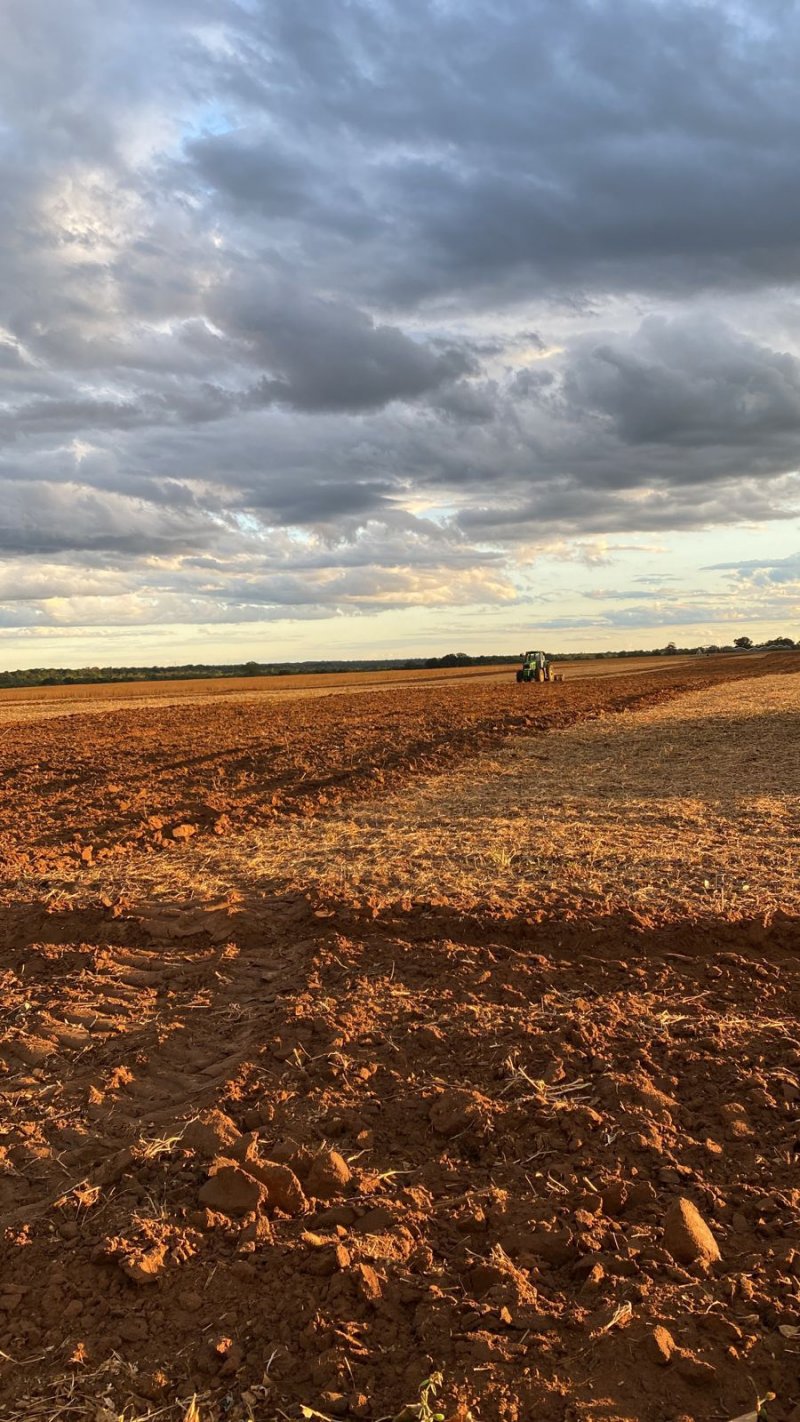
[287, 1158]
[78, 790]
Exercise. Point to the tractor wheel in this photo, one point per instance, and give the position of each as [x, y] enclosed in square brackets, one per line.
[540, 675]
[519, 676]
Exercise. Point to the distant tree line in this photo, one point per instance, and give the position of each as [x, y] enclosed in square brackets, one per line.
[191, 671]
[200, 671]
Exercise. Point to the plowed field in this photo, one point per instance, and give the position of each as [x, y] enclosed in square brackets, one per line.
[74, 789]
[376, 1092]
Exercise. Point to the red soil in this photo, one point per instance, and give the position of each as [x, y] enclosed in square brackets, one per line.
[442, 1142]
[520, 1108]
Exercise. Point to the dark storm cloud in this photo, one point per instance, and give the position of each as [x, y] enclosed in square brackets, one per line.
[318, 502]
[326, 355]
[693, 382]
[69, 415]
[45, 519]
[499, 141]
[330, 269]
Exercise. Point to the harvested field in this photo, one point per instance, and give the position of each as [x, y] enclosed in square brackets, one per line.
[692, 807]
[407, 1075]
[102, 786]
[46, 702]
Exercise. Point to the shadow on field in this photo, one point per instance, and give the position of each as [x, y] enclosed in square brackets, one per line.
[249, 920]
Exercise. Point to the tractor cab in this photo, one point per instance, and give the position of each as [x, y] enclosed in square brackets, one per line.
[535, 667]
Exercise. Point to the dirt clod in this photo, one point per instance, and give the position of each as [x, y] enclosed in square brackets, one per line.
[329, 1175]
[232, 1190]
[283, 1189]
[660, 1345]
[211, 1134]
[335, 1403]
[145, 1267]
[370, 1282]
[695, 1370]
[289, 1152]
[687, 1237]
[455, 1111]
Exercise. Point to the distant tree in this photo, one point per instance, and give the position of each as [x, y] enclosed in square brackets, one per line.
[670, 649]
[450, 659]
[744, 642]
[781, 642]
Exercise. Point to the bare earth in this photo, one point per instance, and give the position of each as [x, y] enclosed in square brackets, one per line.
[406, 1072]
[44, 702]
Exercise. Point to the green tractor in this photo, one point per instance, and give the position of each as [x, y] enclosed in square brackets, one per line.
[535, 667]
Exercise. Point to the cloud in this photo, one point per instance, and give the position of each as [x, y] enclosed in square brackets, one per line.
[376, 305]
[321, 354]
[670, 614]
[400, 563]
[39, 520]
[689, 383]
[480, 146]
[764, 569]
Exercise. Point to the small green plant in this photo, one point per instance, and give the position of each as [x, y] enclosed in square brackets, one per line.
[422, 1411]
[428, 1389]
[759, 1413]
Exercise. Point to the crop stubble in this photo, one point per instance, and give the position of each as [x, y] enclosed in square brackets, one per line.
[689, 809]
[520, 1103]
[76, 789]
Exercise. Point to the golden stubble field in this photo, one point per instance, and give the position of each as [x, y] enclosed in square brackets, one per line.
[690, 808]
[449, 1062]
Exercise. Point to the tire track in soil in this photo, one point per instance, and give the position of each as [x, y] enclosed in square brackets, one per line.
[520, 1106]
[124, 1034]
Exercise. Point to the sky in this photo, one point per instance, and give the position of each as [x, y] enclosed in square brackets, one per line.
[361, 328]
